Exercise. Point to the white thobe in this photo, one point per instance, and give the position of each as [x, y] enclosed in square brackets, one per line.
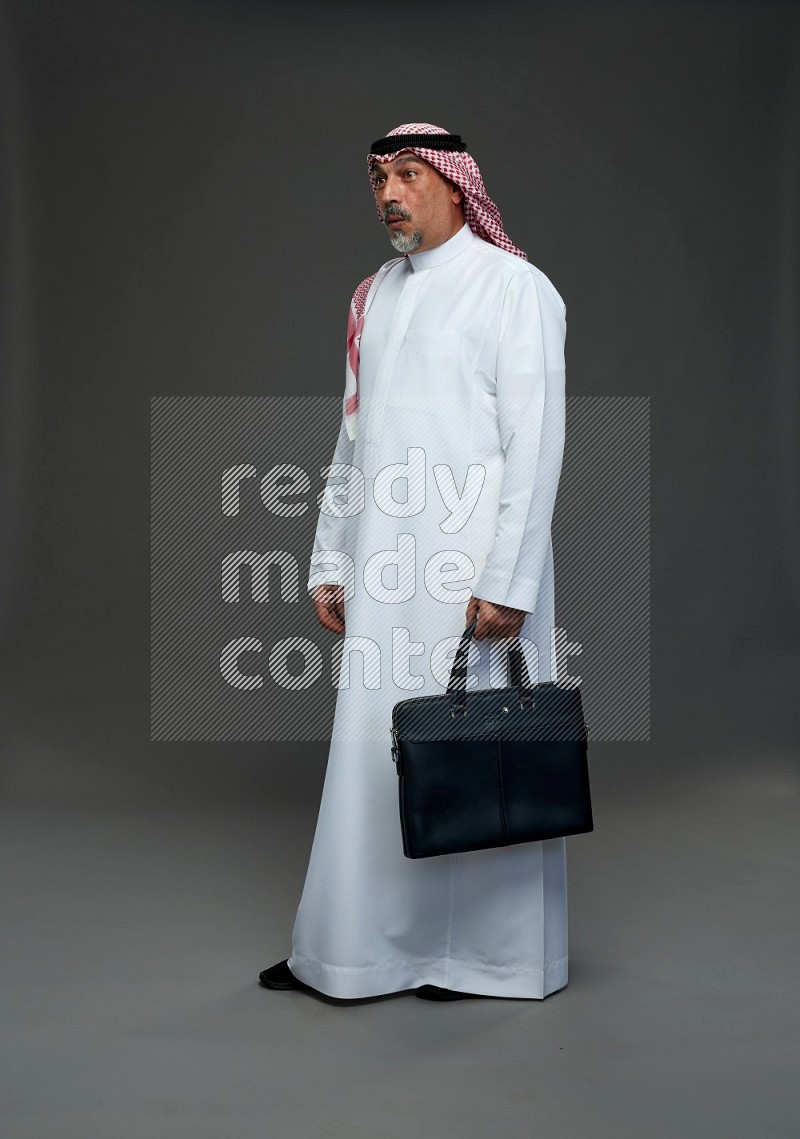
[461, 374]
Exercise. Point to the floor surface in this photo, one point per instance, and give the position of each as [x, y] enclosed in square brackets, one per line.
[136, 925]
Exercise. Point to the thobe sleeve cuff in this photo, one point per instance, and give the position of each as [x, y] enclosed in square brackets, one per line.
[320, 577]
[331, 567]
[516, 592]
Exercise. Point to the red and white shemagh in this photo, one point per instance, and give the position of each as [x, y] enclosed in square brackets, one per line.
[481, 215]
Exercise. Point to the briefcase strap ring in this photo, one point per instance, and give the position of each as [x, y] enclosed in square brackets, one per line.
[517, 674]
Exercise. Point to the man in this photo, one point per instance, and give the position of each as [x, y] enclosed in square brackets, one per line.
[454, 394]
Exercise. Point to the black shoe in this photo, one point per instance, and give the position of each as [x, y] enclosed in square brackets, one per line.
[436, 993]
[279, 976]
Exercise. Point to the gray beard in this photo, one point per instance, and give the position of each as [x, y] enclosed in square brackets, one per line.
[406, 243]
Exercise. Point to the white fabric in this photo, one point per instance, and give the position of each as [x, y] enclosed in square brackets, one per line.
[480, 213]
[462, 355]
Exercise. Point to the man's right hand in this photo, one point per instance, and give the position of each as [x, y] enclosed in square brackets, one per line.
[329, 604]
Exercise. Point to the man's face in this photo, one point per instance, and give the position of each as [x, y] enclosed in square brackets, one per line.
[420, 208]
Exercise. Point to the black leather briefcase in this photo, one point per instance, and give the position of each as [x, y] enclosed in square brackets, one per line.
[493, 767]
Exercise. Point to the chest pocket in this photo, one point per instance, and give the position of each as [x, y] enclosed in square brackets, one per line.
[427, 374]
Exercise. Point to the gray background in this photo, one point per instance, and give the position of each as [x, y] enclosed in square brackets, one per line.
[185, 210]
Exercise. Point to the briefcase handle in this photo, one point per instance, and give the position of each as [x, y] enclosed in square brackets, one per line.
[517, 674]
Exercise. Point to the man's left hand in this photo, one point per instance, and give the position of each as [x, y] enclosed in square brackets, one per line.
[494, 620]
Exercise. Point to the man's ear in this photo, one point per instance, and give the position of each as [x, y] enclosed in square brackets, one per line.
[456, 193]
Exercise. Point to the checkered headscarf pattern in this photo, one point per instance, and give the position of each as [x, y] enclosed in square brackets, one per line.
[480, 213]
[355, 326]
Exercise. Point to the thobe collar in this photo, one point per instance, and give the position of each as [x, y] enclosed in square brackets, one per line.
[427, 258]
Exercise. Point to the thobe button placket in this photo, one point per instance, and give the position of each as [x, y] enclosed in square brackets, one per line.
[400, 321]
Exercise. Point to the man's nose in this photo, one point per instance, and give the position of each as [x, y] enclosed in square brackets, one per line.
[389, 193]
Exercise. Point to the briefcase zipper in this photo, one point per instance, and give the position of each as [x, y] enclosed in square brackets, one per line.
[455, 739]
[508, 693]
